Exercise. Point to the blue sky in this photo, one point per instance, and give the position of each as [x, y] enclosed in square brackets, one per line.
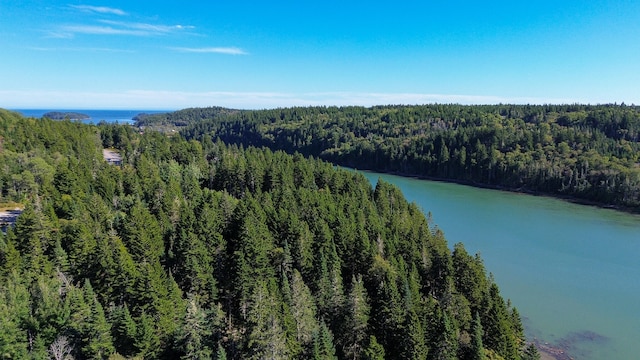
[171, 55]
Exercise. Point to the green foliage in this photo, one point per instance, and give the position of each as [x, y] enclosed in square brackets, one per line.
[195, 332]
[221, 354]
[581, 151]
[147, 340]
[476, 349]
[303, 310]
[447, 345]
[199, 249]
[374, 350]
[266, 338]
[124, 331]
[100, 343]
[531, 353]
[14, 311]
[356, 321]
[323, 348]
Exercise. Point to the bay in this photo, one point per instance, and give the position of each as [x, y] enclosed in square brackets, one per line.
[571, 270]
[95, 116]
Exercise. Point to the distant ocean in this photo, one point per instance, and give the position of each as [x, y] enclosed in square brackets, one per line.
[95, 116]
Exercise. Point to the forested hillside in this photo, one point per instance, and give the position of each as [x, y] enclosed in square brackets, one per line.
[588, 153]
[198, 249]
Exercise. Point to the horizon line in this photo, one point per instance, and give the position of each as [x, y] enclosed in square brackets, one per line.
[159, 99]
[169, 110]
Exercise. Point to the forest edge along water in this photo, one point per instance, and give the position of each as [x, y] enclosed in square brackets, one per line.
[243, 221]
[569, 269]
[518, 190]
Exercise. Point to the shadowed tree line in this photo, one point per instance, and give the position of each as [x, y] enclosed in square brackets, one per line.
[585, 152]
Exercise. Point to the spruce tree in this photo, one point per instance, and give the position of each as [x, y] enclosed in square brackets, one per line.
[266, 336]
[354, 331]
[14, 310]
[221, 353]
[124, 331]
[447, 345]
[477, 349]
[531, 352]
[147, 341]
[323, 348]
[195, 332]
[99, 343]
[374, 350]
[303, 310]
[413, 341]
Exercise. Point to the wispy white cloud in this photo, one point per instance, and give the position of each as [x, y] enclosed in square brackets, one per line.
[71, 30]
[108, 27]
[149, 28]
[212, 50]
[80, 49]
[148, 99]
[96, 26]
[100, 9]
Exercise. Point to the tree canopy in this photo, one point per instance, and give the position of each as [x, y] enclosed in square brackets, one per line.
[201, 249]
[583, 152]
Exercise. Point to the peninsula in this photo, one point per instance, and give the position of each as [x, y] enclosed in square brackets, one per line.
[59, 115]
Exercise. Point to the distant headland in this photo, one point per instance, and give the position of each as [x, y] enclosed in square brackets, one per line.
[58, 115]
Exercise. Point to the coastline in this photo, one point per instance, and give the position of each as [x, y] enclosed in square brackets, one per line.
[568, 198]
[123, 117]
[551, 352]
[583, 341]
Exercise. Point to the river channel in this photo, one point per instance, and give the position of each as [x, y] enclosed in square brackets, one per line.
[573, 271]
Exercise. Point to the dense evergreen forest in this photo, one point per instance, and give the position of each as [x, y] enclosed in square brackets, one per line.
[588, 153]
[199, 249]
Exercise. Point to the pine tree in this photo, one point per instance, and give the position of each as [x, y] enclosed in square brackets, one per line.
[252, 250]
[171, 309]
[498, 329]
[477, 349]
[323, 348]
[33, 238]
[142, 235]
[387, 306]
[124, 331]
[531, 353]
[118, 272]
[14, 310]
[374, 350]
[221, 354]
[355, 327]
[61, 260]
[10, 260]
[266, 338]
[194, 333]
[469, 276]
[413, 341]
[447, 346]
[516, 326]
[99, 343]
[147, 342]
[330, 291]
[49, 314]
[303, 310]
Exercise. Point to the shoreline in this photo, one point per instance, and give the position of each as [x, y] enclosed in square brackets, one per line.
[567, 198]
[550, 352]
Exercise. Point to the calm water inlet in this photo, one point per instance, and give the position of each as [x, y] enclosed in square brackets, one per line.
[573, 271]
[95, 116]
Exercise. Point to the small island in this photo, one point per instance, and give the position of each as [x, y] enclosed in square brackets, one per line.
[59, 115]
